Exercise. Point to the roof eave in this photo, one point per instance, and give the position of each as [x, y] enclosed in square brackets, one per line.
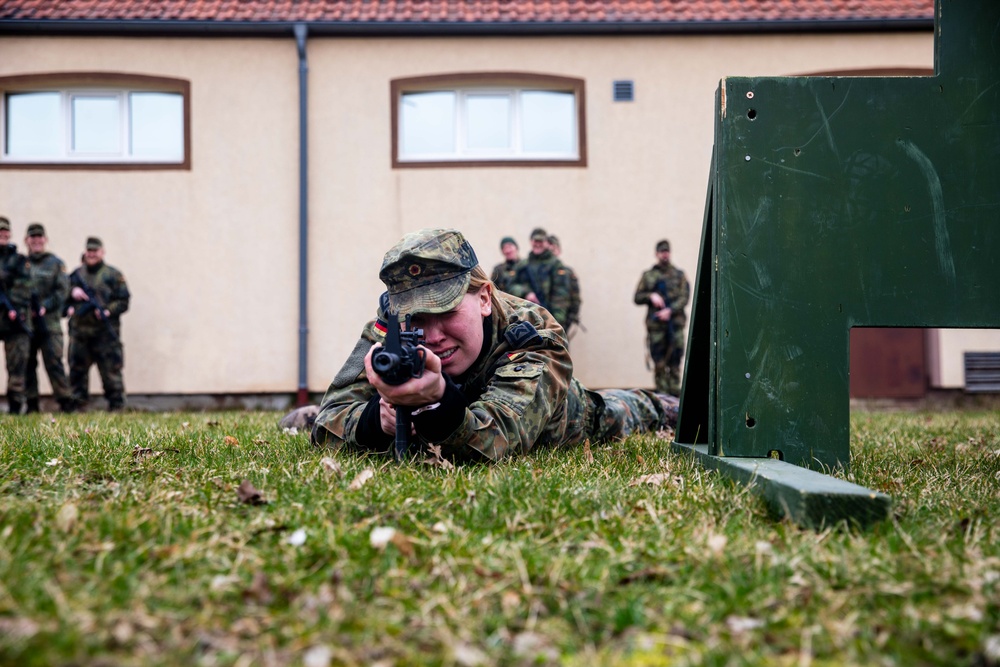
[178, 28]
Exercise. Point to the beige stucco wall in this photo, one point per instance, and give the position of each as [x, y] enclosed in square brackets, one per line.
[211, 254]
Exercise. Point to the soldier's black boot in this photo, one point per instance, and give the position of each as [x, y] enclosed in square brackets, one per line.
[32, 406]
[15, 406]
[116, 404]
[67, 405]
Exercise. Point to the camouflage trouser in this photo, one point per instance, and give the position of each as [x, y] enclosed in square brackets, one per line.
[620, 412]
[51, 347]
[16, 348]
[87, 349]
[666, 352]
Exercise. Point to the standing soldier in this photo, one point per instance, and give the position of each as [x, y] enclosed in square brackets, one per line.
[665, 290]
[49, 289]
[15, 327]
[505, 272]
[573, 312]
[98, 297]
[542, 278]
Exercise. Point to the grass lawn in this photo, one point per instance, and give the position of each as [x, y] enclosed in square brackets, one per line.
[128, 540]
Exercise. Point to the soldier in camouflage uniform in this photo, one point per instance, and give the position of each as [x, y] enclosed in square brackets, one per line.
[49, 290]
[573, 312]
[94, 327]
[543, 279]
[15, 323]
[504, 273]
[665, 290]
[498, 378]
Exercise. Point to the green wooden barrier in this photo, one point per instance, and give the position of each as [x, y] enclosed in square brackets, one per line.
[837, 202]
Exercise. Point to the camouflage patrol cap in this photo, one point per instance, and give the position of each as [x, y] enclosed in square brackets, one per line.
[427, 271]
[508, 239]
[663, 245]
[36, 229]
[554, 240]
[93, 243]
[539, 233]
[4, 223]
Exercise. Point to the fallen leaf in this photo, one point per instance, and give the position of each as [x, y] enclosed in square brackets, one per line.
[317, 656]
[716, 544]
[212, 422]
[53, 462]
[588, 455]
[230, 440]
[249, 495]
[740, 624]
[297, 538]
[380, 536]
[18, 628]
[66, 517]
[331, 465]
[656, 479]
[360, 480]
[259, 591]
[639, 459]
[435, 458]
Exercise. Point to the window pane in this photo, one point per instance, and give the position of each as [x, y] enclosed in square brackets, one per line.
[548, 122]
[157, 122]
[427, 123]
[96, 124]
[33, 128]
[487, 121]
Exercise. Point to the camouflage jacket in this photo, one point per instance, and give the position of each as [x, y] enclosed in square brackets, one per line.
[546, 276]
[503, 275]
[15, 281]
[49, 286]
[573, 312]
[672, 285]
[520, 392]
[108, 284]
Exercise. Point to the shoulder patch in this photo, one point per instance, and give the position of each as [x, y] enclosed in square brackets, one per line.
[521, 334]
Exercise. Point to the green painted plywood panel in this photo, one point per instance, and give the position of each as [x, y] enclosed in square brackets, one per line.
[838, 202]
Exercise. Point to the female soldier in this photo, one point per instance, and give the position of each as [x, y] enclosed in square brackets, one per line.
[498, 378]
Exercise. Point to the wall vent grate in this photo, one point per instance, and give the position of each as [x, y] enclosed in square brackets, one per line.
[982, 371]
[623, 91]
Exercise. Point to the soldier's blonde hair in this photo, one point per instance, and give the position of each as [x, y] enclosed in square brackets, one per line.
[478, 279]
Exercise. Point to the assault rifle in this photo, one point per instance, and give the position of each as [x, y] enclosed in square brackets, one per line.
[7, 306]
[76, 281]
[534, 285]
[41, 328]
[398, 360]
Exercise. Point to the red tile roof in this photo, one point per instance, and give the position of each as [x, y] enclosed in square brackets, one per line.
[467, 12]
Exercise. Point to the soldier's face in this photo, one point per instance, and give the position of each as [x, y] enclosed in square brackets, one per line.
[4, 236]
[509, 251]
[456, 337]
[662, 256]
[93, 256]
[36, 244]
[539, 245]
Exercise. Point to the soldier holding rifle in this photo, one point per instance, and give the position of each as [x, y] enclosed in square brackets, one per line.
[664, 289]
[98, 297]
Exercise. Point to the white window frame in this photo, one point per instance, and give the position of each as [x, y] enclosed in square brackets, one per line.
[90, 85]
[511, 85]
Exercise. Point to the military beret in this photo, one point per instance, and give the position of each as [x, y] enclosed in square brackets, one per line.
[427, 271]
[508, 239]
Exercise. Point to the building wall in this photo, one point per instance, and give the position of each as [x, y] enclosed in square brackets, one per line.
[211, 253]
